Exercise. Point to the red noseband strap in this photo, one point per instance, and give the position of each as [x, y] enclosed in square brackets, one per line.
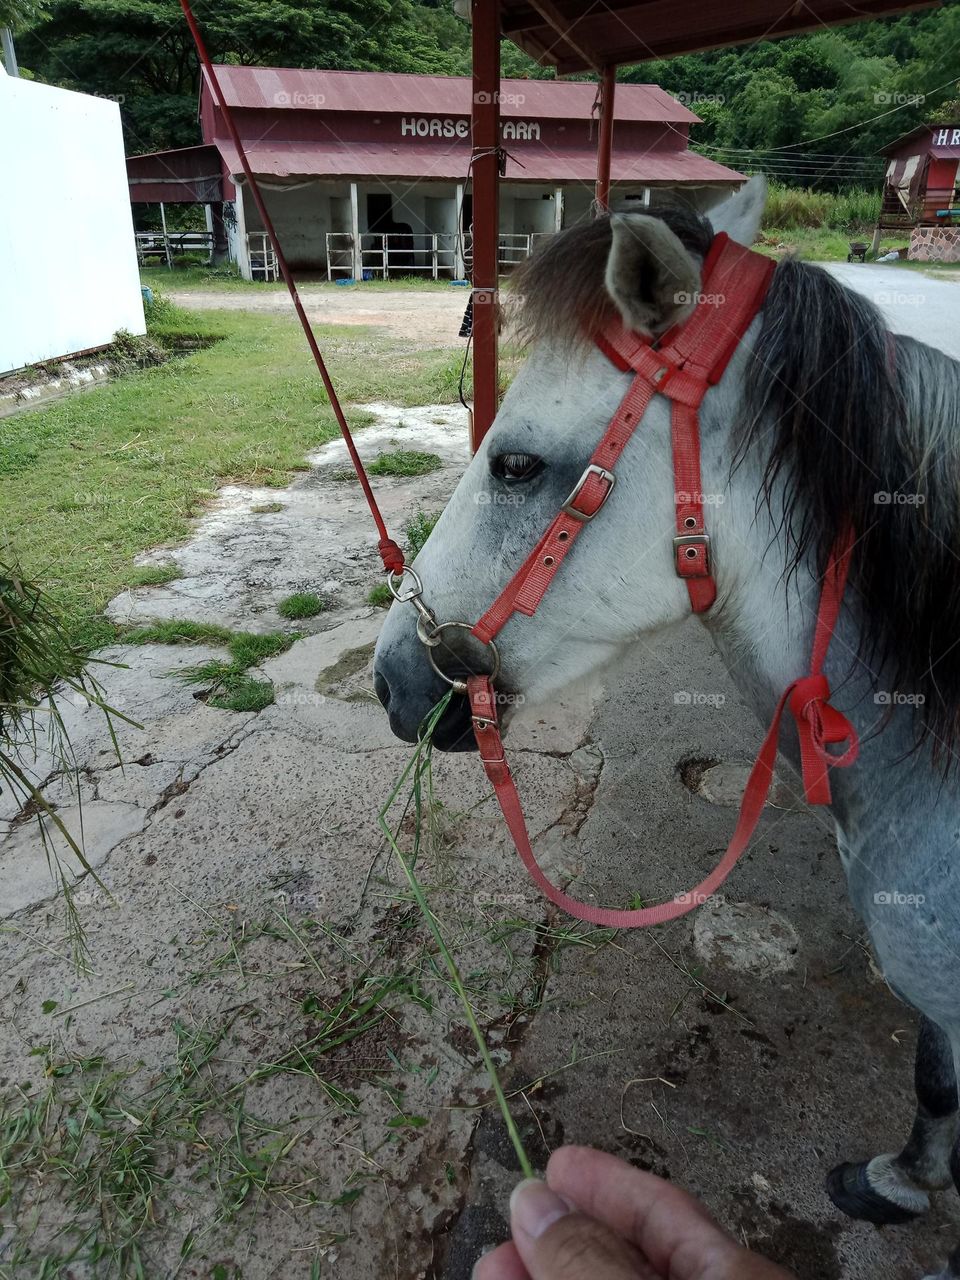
[682, 366]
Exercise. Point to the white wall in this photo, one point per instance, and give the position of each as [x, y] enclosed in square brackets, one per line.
[68, 261]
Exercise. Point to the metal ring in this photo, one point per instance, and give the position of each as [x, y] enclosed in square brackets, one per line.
[459, 684]
[397, 592]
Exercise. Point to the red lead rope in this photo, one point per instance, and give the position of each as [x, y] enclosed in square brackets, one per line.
[818, 725]
[390, 553]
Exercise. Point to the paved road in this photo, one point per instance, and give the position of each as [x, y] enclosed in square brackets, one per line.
[912, 303]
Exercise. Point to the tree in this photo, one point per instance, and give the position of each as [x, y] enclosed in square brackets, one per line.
[140, 52]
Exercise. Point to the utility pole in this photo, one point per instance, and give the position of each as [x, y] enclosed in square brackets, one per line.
[9, 53]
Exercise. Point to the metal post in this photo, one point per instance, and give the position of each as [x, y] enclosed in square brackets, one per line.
[9, 52]
[608, 85]
[486, 185]
[459, 267]
[357, 272]
[558, 208]
[166, 242]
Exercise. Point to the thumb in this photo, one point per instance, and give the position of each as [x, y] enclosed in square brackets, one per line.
[557, 1243]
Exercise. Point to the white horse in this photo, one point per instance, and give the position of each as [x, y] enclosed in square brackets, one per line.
[822, 422]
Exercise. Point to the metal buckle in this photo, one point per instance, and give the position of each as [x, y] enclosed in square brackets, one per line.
[583, 516]
[682, 540]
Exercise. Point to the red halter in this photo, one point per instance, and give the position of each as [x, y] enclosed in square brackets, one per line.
[682, 366]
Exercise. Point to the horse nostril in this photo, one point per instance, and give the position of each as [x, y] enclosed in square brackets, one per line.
[381, 689]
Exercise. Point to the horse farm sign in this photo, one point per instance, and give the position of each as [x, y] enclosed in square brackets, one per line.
[447, 127]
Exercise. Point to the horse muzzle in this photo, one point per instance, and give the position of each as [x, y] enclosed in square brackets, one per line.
[409, 689]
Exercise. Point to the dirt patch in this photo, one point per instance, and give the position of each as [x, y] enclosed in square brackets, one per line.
[424, 319]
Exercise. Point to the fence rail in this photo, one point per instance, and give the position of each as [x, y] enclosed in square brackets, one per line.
[165, 246]
[263, 260]
[935, 207]
[418, 253]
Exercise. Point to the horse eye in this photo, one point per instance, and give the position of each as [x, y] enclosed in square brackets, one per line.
[516, 467]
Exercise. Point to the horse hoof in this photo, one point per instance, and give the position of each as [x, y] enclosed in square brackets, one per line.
[849, 1188]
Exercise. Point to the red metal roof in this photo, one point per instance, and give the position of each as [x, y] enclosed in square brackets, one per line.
[295, 89]
[572, 36]
[423, 163]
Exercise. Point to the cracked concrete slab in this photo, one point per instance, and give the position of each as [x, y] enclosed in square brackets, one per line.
[249, 893]
[98, 827]
[245, 556]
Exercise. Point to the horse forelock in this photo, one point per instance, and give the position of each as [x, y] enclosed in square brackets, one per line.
[559, 292]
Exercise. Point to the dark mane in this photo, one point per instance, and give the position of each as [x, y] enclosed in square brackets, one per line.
[866, 434]
[863, 430]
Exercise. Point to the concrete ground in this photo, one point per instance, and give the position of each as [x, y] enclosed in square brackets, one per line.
[263, 1022]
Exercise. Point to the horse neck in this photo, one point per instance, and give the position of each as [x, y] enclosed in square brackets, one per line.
[764, 619]
[763, 625]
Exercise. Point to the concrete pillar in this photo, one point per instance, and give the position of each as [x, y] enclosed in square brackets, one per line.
[215, 225]
[243, 253]
[558, 208]
[355, 232]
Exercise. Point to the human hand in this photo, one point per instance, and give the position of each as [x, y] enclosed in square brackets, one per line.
[598, 1218]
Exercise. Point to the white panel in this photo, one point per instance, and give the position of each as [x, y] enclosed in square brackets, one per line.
[68, 262]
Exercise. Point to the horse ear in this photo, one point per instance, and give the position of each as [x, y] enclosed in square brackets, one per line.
[740, 216]
[650, 276]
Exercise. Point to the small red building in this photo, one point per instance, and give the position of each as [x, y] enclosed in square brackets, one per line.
[368, 172]
[922, 191]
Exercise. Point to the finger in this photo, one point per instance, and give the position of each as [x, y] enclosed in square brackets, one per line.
[672, 1230]
[502, 1263]
[557, 1244]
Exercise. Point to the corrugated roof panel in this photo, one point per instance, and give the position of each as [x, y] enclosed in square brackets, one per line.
[293, 88]
[425, 163]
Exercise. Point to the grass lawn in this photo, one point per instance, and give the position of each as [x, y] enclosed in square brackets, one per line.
[94, 479]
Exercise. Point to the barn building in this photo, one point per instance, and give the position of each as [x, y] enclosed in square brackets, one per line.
[922, 191]
[367, 173]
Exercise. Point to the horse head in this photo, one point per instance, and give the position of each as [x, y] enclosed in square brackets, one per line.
[618, 582]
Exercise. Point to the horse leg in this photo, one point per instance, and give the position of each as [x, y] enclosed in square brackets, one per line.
[893, 1188]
